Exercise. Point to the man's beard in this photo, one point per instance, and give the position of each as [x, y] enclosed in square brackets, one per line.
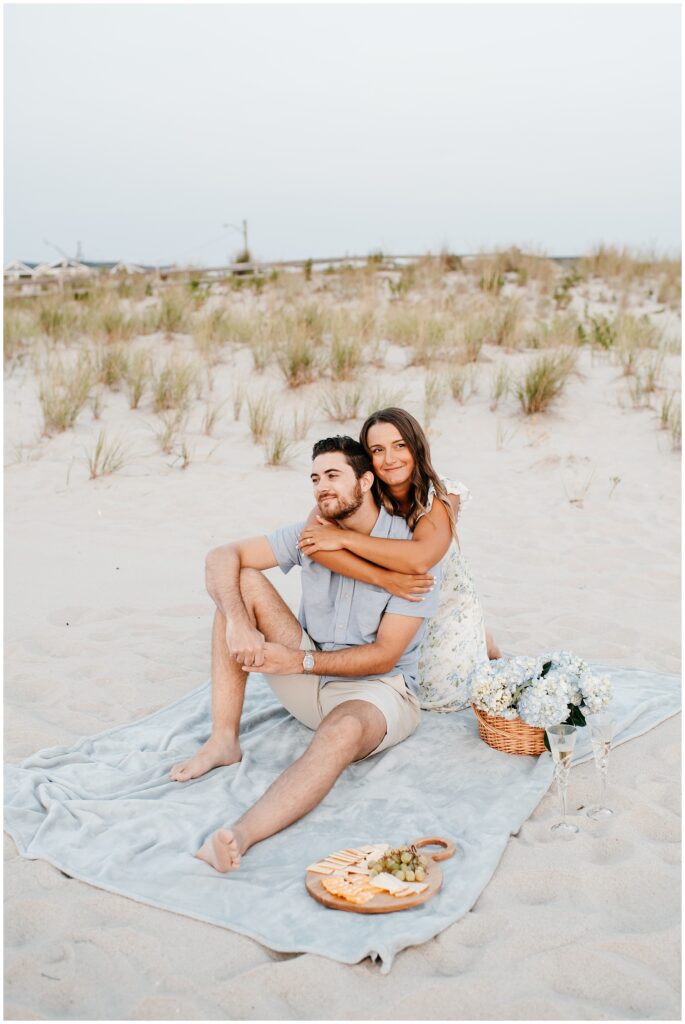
[344, 507]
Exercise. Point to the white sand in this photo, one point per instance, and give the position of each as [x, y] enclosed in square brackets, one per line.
[107, 619]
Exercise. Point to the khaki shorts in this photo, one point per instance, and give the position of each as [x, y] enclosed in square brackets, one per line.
[309, 703]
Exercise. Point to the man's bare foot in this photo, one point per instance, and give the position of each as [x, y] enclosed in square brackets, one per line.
[215, 753]
[222, 850]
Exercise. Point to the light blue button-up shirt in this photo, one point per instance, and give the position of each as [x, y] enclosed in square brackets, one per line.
[339, 612]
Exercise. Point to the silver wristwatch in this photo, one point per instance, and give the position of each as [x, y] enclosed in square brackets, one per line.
[308, 663]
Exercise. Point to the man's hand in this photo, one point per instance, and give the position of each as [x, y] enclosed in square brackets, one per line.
[323, 537]
[246, 644]
[407, 585]
[278, 660]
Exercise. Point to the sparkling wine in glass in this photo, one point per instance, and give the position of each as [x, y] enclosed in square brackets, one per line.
[601, 728]
[562, 740]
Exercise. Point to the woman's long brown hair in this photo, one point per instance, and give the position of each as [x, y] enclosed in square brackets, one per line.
[424, 473]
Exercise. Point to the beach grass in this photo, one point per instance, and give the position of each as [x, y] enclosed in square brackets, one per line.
[112, 364]
[342, 402]
[382, 398]
[260, 413]
[137, 376]
[173, 384]
[297, 358]
[544, 381]
[500, 384]
[279, 447]
[64, 392]
[237, 399]
[211, 417]
[345, 355]
[434, 394]
[169, 429]
[173, 313]
[106, 456]
[333, 328]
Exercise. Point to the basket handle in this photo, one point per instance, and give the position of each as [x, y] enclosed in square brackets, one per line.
[484, 721]
[449, 848]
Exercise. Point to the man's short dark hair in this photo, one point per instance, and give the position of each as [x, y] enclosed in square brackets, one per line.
[351, 449]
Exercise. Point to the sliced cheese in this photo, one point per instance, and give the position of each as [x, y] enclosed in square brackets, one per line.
[393, 885]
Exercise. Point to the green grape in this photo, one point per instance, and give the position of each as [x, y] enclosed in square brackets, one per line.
[419, 875]
[406, 857]
[409, 875]
[399, 875]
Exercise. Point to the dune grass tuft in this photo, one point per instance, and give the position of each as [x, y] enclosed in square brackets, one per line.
[211, 417]
[505, 323]
[383, 398]
[173, 312]
[544, 381]
[63, 393]
[106, 457]
[137, 376]
[499, 386]
[345, 355]
[171, 425]
[237, 399]
[341, 402]
[260, 412]
[297, 359]
[460, 383]
[279, 448]
[112, 366]
[675, 425]
[434, 392]
[172, 385]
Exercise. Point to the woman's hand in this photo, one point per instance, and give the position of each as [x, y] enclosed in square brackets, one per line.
[323, 537]
[407, 585]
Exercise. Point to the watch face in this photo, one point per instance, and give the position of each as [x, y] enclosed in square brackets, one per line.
[308, 662]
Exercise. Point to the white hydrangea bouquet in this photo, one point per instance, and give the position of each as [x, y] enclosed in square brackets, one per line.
[538, 691]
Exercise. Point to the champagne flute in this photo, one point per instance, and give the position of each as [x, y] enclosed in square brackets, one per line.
[601, 728]
[562, 739]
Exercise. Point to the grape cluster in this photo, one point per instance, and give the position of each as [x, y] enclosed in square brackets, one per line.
[405, 863]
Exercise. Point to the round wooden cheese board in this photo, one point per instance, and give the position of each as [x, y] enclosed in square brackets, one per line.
[385, 902]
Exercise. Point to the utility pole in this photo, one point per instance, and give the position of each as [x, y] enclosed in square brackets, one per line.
[243, 230]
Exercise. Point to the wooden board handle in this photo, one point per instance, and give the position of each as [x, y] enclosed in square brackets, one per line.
[449, 848]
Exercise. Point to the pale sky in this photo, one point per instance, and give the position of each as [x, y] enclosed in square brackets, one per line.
[140, 130]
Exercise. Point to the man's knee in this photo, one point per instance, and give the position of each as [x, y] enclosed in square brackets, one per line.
[350, 732]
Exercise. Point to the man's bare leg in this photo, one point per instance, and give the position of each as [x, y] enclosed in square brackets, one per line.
[272, 617]
[351, 731]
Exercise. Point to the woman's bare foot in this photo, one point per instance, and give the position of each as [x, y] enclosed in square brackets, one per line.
[215, 753]
[493, 650]
[223, 849]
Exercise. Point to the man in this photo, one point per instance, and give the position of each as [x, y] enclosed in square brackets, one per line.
[347, 669]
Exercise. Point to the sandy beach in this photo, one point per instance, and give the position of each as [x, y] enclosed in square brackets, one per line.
[573, 535]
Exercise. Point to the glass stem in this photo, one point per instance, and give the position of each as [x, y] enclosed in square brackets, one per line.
[602, 768]
[562, 783]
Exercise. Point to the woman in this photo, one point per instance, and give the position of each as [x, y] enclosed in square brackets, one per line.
[407, 485]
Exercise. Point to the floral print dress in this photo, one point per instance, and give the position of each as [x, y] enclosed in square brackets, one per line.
[454, 642]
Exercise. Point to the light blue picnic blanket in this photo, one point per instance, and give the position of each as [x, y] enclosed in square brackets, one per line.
[104, 811]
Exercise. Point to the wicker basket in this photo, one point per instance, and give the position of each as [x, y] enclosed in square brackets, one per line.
[511, 737]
